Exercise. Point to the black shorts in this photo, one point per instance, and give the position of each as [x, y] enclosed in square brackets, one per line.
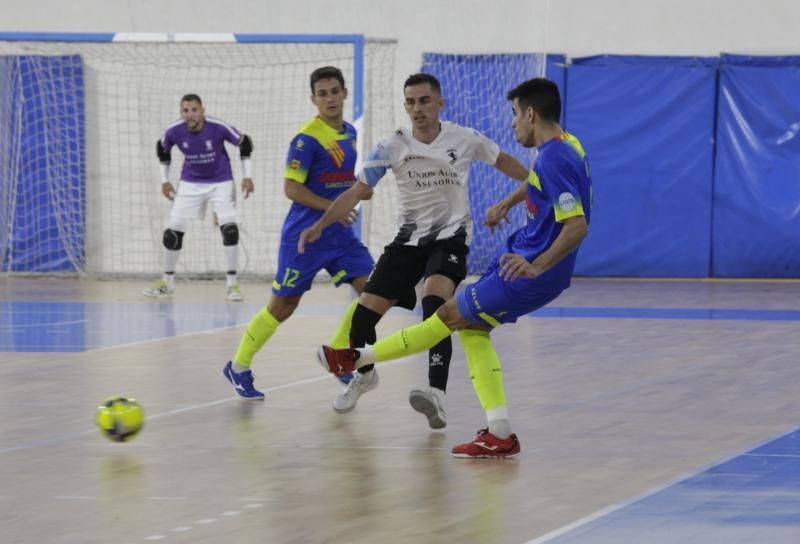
[400, 268]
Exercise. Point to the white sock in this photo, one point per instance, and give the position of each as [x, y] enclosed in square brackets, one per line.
[232, 258]
[499, 424]
[239, 368]
[367, 357]
[231, 279]
[170, 261]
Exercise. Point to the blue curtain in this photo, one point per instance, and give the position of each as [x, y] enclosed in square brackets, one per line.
[756, 227]
[43, 135]
[647, 124]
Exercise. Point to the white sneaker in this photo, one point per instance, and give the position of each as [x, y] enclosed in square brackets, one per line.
[159, 288]
[234, 293]
[431, 403]
[362, 383]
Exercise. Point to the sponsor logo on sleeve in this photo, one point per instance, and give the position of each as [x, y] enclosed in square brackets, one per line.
[567, 202]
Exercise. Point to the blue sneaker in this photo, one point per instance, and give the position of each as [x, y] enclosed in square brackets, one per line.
[345, 378]
[243, 383]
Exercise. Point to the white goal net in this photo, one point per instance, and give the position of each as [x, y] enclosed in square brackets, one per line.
[80, 187]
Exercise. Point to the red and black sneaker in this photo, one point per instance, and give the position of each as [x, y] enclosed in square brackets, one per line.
[487, 445]
[337, 361]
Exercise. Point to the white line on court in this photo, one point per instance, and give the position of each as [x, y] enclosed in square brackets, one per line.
[193, 407]
[619, 506]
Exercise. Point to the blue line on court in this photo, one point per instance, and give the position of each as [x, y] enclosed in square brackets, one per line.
[752, 497]
[74, 326]
[722, 314]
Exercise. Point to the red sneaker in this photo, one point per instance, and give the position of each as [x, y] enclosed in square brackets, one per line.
[487, 445]
[337, 361]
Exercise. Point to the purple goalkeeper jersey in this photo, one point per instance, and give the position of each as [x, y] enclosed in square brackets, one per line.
[204, 157]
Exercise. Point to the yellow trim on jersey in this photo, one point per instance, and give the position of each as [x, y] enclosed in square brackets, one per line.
[489, 319]
[299, 176]
[328, 137]
[574, 143]
[561, 215]
[276, 285]
[339, 275]
[533, 179]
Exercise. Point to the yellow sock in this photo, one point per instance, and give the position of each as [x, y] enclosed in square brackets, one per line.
[342, 337]
[411, 340]
[259, 330]
[484, 368]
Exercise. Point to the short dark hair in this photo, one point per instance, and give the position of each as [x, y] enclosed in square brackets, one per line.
[540, 94]
[419, 79]
[191, 97]
[326, 72]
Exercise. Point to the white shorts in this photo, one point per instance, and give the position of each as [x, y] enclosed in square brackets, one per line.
[193, 198]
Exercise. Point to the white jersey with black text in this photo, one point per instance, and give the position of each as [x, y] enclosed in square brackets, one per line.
[431, 180]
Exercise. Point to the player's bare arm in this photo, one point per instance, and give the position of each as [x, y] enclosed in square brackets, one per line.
[497, 213]
[297, 192]
[510, 166]
[513, 266]
[341, 208]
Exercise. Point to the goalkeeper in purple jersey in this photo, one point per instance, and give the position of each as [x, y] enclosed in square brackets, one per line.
[206, 177]
[531, 270]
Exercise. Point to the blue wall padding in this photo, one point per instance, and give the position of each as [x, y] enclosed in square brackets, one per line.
[756, 227]
[48, 130]
[647, 124]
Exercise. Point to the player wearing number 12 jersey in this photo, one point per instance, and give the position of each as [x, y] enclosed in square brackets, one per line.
[319, 167]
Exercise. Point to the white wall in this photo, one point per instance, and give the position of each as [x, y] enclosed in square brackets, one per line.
[574, 27]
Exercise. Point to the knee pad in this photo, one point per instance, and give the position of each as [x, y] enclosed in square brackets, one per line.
[430, 304]
[173, 239]
[230, 234]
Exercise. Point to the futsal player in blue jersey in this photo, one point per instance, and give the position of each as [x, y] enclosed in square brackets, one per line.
[532, 269]
[320, 166]
[430, 162]
[206, 177]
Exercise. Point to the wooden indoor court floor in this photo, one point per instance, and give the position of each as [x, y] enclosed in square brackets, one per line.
[648, 412]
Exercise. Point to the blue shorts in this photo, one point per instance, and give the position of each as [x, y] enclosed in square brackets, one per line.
[296, 272]
[492, 300]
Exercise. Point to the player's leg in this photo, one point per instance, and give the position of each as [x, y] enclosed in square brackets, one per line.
[393, 279]
[402, 343]
[392, 282]
[353, 266]
[223, 200]
[446, 267]
[295, 275]
[487, 303]
[187, 205]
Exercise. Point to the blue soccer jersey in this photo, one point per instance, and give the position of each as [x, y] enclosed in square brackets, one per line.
[323, 159]
[559, 187]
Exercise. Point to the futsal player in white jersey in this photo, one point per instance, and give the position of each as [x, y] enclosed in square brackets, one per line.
[431, 163]
[206, 177]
